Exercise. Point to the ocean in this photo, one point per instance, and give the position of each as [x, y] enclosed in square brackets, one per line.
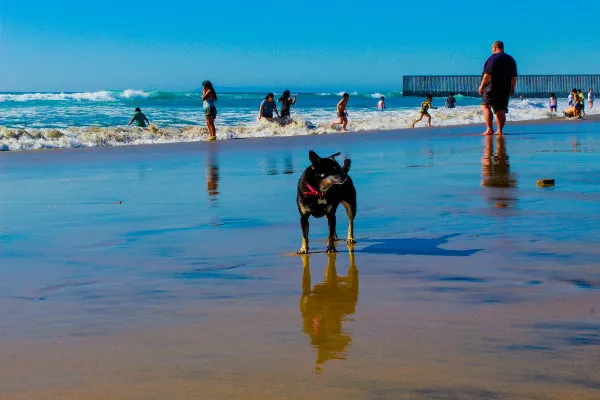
[31, 121]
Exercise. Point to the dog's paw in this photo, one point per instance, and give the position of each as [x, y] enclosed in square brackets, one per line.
[331, 249]
[350, 240]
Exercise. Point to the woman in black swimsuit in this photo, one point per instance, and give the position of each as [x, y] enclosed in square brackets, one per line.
[286, 102]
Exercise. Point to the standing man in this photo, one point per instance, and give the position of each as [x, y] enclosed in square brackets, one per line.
[497, 86]
[450, 101]
[591, 98]
[342, 113]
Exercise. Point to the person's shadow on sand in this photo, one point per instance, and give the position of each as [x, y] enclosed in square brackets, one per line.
[325, 307]
[417, 247]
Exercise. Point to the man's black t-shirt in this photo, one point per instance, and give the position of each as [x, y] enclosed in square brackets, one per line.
[502, 68]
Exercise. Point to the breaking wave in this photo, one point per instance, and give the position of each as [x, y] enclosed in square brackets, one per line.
[316, 122]
[102, 95]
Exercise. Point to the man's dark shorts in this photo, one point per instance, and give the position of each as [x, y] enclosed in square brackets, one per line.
[498, 102]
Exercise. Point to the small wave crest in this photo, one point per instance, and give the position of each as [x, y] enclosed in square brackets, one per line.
[375, 95]
[101, 95]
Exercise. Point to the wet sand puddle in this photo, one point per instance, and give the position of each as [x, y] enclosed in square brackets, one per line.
[467, 281]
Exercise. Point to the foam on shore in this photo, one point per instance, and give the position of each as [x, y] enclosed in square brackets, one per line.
[313, 121]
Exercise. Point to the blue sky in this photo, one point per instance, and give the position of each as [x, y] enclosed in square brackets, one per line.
[91, 45]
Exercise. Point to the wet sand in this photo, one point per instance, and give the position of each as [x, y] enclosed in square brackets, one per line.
[167, 272]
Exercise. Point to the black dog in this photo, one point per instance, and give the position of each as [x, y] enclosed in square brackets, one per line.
[322, 187]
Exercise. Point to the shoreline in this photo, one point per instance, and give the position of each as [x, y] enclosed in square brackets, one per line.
[194, 143]
[472, 128]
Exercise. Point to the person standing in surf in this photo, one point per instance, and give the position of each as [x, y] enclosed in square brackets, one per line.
[267, 107]
[381, 103]
[286, 103]
[139, 118]
[571, 97]
[553, 104]
[209, 97]
[591, 98]
[342, 113]
[451, 101]
[497, 86]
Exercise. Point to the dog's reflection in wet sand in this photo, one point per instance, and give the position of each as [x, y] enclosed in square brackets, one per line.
[326, 306]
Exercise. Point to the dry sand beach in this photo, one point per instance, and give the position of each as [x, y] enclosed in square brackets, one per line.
[169, 271]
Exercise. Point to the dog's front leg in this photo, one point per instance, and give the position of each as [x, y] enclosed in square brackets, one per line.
[331, 238]
[304, 226]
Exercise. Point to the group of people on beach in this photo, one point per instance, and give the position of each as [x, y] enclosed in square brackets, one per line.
[498, 82]
[268, 107]
[267, 110]
[576, 108]
[209, 97]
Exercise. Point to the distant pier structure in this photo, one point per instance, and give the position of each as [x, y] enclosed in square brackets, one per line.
[527, 85]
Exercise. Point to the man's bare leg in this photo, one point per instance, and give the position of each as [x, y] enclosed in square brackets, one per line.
[429, 120]
[488, 118]
[500, 121]
[344, 123]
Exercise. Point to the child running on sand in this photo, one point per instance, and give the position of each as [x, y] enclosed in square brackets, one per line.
[553, 103]
[139, 118]
[342, 113]
[425, 106]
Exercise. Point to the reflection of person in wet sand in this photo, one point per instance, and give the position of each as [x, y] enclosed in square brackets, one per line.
[212, 177]
[325, 306]
[495, 170]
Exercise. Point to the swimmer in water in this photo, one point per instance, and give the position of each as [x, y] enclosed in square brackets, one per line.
[381, 103]
[287, 102]
[425, 106]
[342, 113]
[139, 118]
[267, 107]
[451, 101]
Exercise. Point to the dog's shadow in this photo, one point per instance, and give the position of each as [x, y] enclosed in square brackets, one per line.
[326, 306]
[415, 246]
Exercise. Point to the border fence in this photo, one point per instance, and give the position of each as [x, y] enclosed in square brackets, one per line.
[527, 85]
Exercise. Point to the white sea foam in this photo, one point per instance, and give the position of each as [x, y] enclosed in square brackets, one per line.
[102, 95]
[314, 122]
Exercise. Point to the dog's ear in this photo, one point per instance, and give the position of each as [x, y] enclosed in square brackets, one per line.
[314, 158]
[346, 166]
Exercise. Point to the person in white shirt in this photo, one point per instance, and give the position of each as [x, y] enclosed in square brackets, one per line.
[381, 103]
[591, 98]
[571, 98]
